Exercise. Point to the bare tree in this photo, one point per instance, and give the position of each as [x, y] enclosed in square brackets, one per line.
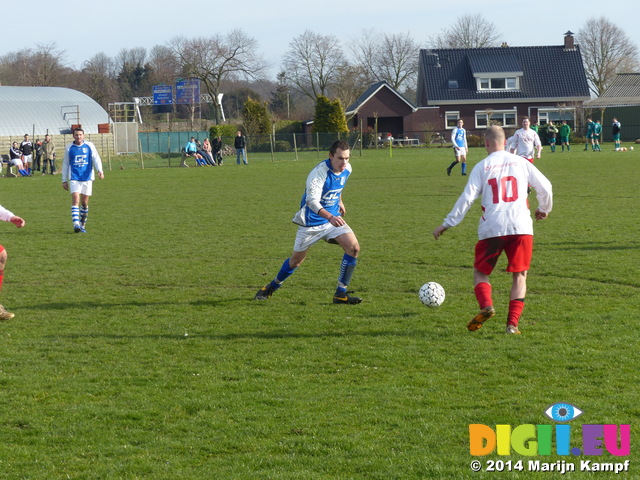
[218, 58]
[42, 67]
[312, 62]
[606, 51]
[469, 31]
[99, 73]
[393, 58]
[164, 64]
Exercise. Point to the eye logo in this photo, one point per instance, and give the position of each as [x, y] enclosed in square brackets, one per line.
[562, 412]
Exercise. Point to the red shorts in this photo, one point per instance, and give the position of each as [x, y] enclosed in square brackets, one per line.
[519, 249]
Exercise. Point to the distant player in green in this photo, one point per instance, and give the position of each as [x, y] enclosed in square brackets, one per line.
[565, 133]
[597, 130]
[615, 130]
[552, 134]
[589, 135]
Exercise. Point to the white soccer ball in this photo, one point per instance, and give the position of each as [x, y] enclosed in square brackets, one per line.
[630, 148]
[431, 294]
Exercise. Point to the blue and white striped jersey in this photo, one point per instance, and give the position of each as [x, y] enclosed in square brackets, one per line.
[323, 190]
[80, 161]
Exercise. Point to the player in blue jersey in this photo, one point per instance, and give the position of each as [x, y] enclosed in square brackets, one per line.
[321, 217]
[80, 160]
[460, 147]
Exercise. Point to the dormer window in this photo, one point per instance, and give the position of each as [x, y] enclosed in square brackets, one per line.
[453, 84]
[497, 83]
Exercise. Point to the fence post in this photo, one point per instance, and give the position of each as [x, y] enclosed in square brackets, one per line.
[271, 141]
[295, 145]
[318, 144]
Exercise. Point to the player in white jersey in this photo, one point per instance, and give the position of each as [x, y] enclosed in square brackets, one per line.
[526, 141]
[80, 160]
[7, 216]
[321, 217]
[501, 180]
[460, 147]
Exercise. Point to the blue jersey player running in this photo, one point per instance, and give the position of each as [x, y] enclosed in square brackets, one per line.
[80, 160]
[460, 148]
[321, 217]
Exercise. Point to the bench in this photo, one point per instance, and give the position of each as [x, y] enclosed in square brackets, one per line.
[10, 168]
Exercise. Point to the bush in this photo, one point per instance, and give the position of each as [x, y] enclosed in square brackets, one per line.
[474, 141]
[223, 130]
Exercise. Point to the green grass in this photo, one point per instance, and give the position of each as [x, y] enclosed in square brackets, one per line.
[138, 352]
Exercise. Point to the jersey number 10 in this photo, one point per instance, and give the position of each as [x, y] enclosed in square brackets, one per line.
[508, 187]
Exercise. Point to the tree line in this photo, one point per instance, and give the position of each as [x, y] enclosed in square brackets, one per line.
[314, 65]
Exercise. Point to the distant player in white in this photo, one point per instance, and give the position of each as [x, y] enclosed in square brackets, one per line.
[80, 160]
[501, 180]
[321, 217]
[526, 142]
[460, 147]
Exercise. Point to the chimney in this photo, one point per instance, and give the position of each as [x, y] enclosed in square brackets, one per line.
[568, 41]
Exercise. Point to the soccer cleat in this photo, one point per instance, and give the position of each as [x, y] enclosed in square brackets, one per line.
[77, 228]
[265, 292]
[512, 329]
[449, 171]
[346, 298]
[476, 322]
[464, 174]
[4, 315]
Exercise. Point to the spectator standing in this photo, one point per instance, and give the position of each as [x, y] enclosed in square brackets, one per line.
[500, 181]
[565, 133]
[48, 155]
[80, 160]
[26, 147]
[615, 130]
[240, 144]
[216, 146]
[38, 154]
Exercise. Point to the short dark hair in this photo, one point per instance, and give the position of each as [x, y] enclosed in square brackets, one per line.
[338, 144]
[78, 129]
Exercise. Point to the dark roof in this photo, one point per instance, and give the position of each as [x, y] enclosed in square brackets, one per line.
[623, 90]
[370, 92]
[547, 72]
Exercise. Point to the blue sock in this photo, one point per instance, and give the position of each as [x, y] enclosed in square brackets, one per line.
[284, 273]
[347, 267]
[464, 167]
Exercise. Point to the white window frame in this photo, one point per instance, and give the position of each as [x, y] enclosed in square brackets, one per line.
[448, 116]
[486, 84]
[508, 118]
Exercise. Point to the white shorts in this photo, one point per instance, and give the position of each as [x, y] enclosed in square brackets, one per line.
[83, 188]
[16, 162]
[307, 236]
[460, 151]
[27, 158]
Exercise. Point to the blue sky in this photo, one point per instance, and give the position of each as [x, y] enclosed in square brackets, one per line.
[87, 28]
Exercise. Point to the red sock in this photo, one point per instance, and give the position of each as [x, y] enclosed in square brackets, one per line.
[1, 278]
[483, 294]
[515, 310]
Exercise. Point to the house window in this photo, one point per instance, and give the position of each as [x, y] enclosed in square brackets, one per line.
[505, 118]
[497, 83]
[451, 119]
[453, 84]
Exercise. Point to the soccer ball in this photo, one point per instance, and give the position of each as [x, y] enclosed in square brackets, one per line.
[630, 148]
[431, 294]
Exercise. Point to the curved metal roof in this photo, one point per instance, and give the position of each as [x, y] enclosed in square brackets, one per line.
[53, 110]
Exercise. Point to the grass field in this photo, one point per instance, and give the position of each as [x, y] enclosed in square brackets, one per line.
[138, 352]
